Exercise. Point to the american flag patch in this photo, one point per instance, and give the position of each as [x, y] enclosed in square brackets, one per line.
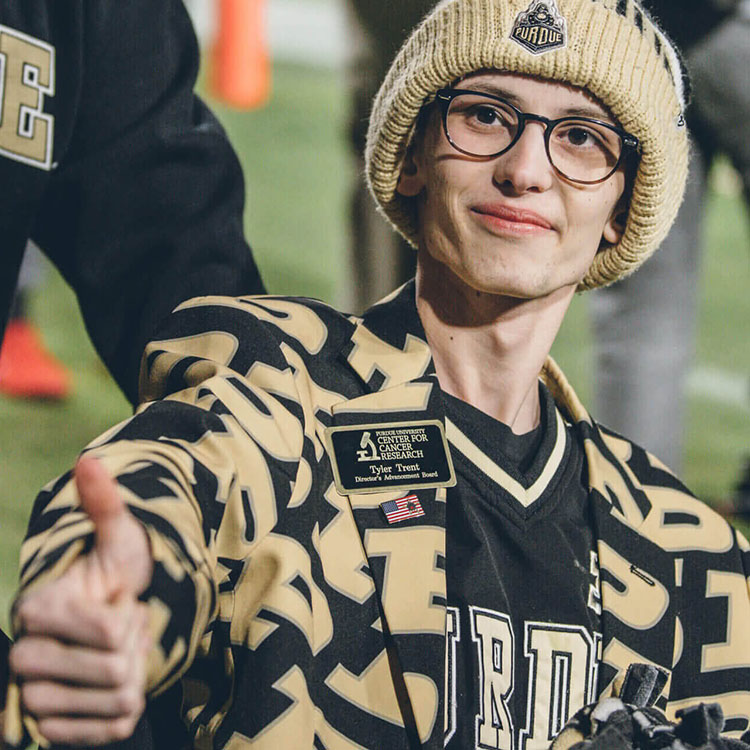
[401, 509]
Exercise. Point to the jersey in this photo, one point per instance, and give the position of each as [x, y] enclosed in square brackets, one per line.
[118, 171]
[289, 608]
[523, 616]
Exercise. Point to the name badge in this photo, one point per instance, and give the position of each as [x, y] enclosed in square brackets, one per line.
[377, 457]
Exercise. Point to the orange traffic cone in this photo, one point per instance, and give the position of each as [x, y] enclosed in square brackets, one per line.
[27, 368]
[241, 67]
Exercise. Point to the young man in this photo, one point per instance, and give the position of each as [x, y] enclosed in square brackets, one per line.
[404, 529]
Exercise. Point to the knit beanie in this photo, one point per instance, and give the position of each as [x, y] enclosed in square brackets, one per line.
[611, 48]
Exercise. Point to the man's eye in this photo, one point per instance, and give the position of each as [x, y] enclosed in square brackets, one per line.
[486, 115]
[579, 137]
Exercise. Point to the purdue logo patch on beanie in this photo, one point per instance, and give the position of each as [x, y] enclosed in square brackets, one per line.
[540, 28]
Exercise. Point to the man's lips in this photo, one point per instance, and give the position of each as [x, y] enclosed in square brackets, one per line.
[517, 219]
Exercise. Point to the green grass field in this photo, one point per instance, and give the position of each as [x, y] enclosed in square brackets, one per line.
[298, 173]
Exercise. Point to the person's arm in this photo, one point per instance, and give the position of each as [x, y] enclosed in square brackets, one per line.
[84, 637]
[145, 208]
[181, 466]
[168, 489]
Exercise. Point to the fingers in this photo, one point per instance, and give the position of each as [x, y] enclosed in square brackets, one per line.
[84, 695]
[87, 732]
[47, 659]
[82, 648]
[50, 699]
[77, 621]
[117, 659]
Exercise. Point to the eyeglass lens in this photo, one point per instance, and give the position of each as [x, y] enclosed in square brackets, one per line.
[581, 150]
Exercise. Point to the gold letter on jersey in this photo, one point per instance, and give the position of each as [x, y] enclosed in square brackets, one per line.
[494, 638]
[562, 667]
[27, 74]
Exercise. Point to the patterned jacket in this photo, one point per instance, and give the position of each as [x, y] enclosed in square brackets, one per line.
[294, 615]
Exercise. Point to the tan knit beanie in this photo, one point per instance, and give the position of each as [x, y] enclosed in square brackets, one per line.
[612, 48]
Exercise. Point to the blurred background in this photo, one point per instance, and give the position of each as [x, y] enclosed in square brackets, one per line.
[300, 171]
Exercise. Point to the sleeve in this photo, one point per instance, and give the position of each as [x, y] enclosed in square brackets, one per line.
[712, 649]
[144, 209]
[184, 464]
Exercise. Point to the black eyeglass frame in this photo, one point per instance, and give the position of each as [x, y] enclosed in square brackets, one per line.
[630, 144]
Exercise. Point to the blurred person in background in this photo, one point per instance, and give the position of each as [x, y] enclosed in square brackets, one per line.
[115, 168]
[404, 530]
[380, 259]
[644, 326]
[119, 173]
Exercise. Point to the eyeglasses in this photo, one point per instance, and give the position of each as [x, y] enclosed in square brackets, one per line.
[580, 149]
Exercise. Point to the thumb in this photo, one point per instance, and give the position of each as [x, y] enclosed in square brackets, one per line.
[120, 542]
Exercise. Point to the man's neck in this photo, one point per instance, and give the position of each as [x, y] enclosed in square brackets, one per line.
[488, 350]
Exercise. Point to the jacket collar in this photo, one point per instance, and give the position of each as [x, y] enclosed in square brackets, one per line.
[388, 346]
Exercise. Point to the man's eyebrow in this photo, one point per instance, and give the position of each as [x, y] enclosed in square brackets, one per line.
[581, 110]
[584, 111]
[488, 88]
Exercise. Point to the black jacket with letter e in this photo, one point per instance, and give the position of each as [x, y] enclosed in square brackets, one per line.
[115, 168]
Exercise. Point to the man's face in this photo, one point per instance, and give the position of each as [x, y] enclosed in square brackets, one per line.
[509, 225]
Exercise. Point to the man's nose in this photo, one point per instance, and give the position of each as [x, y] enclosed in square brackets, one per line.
[526, 167]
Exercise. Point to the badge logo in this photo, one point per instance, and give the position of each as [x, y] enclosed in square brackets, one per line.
[368, 451]
[540, 28]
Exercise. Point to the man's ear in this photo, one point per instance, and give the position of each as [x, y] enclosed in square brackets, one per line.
[615, 226]
[410, 182]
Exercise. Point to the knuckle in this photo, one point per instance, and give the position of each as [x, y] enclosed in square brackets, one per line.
[20, 656]
[116, 669]
[26, 612]
[122, 728]
[28, 656]
[52, 730]
[129, 701]
[109, 631]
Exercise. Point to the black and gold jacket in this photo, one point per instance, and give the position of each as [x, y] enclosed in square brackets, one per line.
[295, 616]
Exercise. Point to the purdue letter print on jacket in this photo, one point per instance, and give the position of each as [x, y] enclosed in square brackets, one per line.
[294, 613]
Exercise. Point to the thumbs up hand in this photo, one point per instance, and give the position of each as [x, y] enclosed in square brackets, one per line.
[80, 657]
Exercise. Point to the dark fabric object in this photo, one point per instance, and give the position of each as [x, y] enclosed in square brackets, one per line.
[141, 204]
[688, 21]
[5, 644]
[632, 723]
[643, 684]
[628, 727]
